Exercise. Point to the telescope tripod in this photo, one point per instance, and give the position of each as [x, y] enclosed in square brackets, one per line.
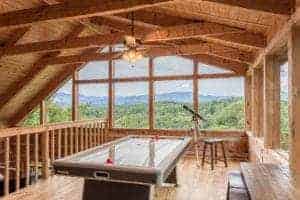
[196, 122]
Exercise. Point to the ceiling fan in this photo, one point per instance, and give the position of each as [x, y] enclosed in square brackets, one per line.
[134, 49]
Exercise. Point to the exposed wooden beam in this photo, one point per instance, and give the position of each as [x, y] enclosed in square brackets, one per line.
[13, 39]
[62, 44]
[160, 78]
[282, 7]
[206, 30]
[205, 48]
[50, 87]
[75, 9]
[129, 22]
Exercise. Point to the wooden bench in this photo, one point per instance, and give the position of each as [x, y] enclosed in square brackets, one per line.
[236, 188]
[268, 181]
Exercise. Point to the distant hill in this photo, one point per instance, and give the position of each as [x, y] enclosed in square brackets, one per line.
[64, 99]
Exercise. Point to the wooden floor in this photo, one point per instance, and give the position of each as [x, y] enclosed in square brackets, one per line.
[194, 184]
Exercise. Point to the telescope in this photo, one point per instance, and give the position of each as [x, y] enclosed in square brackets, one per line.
[195, 114]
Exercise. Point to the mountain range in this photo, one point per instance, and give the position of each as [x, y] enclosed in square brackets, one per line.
[64, 99]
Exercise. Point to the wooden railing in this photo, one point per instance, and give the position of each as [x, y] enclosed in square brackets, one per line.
[26, 153]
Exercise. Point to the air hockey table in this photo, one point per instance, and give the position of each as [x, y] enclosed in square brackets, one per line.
[126, 168]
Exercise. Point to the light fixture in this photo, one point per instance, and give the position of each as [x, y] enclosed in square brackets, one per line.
[132, 55]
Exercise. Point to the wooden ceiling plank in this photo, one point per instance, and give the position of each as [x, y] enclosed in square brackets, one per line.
[21, 83]
[75, 9]
[208, 30]
[281, 7]
[37, 67]
[49, 88]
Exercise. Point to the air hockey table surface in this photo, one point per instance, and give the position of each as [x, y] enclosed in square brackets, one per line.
[132, 163]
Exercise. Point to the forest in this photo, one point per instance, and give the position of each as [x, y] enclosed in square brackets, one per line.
[219, 114]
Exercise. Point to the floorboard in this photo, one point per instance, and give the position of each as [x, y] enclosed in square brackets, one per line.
[194, 184]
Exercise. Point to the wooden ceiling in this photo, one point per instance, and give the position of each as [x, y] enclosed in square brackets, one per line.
[43, 41]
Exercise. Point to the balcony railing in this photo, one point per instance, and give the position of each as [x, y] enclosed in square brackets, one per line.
[27, 153]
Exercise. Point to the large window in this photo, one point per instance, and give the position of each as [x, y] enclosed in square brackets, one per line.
[93, 101]
[131, 105]
[222, 103]
[59, 105]
[94, 70]
[172, 65]
[284, 117]
[169, 98]
[124, 69]
[208, 69]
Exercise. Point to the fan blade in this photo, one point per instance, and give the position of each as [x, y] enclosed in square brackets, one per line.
[118, 55]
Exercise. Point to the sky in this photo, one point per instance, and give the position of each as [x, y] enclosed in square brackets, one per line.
[169, 65]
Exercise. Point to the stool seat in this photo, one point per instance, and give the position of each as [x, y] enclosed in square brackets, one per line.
[213, 140]
[213, 143]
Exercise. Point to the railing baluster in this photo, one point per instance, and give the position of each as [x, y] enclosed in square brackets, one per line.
[36, 155]
[27, 162]
[59, 143]
[52, 135]
[45, 154]
[65, 141]
[81, 138]
[6, 170]
[94, 134]
[76, 139]
[71, 131]
[18, 160]
[86, 134]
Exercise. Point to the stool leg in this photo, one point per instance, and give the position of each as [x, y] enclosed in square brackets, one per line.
[216, 153]
[224, 154]
[203, 155]
[212, 156]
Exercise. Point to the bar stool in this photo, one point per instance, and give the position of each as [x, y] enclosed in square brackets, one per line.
[213, 143]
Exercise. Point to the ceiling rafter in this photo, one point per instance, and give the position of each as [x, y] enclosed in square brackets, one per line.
[65, 43]
[180, 50]
[13, 39]
[206, 30]
[282, 7]
[75, 9]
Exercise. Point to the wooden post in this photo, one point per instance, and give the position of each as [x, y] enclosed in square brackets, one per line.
[45, 154]
[271, 122]
[294, 104]
[75, 97]
[151, 95]
[257, 104]
[18, 161]
[27, 163]
[6, 165]
[195, 87]
[110, 91]
[43, 113]
[248, 105]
